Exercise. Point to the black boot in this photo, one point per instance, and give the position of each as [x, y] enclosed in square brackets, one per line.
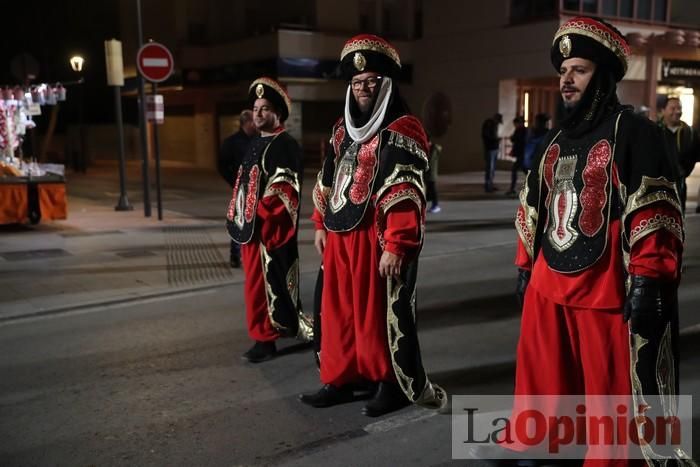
[235, 262]
[388, 398]
[328, 396]
[260, 351]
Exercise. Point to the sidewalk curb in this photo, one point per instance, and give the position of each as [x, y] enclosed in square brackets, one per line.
[4, 320]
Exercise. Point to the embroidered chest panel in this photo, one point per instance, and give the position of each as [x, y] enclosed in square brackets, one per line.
[577, 176]
[356, 168]
[240, 217]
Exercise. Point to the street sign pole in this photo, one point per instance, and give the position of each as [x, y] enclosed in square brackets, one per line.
[142, 125]
[115, 78]
[156, 150]
[123, 204]
[155, 63]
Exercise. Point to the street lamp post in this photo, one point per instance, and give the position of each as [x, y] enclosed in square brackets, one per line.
[79, 162]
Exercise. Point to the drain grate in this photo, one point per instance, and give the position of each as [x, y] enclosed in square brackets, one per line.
[193, 257]
[34, 254]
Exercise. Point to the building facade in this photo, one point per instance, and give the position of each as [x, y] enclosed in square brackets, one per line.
[477, 57]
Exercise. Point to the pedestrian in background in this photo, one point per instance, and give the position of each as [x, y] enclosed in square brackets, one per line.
[490, 140]
[682, 143]
[431, 177]
[535, 136]
[518, 139]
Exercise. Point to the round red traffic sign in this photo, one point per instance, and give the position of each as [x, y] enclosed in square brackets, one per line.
[155, 62]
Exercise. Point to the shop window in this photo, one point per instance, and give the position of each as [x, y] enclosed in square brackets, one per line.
[590, 6]
[526, 10]
[572, 5]
[685, 12]
[368, 14]
[386, 20]
[644, 9]
[627, 8]
[609, 7]
[418, 21]
[660, 10]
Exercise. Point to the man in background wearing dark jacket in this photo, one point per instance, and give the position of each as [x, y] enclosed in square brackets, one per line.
[682, 143]
[489, 136]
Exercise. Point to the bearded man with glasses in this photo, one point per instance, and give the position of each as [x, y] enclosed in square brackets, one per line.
[369, 217]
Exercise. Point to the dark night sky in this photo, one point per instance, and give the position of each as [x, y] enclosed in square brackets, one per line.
[53, 31]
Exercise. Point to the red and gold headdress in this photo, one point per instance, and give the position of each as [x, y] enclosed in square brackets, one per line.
[593, 39]
[368, 52]
[268, 88]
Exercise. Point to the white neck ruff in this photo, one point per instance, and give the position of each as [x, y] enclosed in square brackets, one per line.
[362, 134]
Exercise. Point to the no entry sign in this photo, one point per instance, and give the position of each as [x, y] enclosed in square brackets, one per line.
[155, 62]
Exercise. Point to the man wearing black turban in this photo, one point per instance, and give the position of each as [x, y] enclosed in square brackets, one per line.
[600, 244]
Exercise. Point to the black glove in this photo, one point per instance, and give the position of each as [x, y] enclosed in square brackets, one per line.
[648, 302]
[521, 287]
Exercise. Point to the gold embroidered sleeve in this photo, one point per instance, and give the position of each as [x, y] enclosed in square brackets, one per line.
[526, 221]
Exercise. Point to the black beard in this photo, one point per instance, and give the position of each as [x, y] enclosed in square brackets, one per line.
[360, 117]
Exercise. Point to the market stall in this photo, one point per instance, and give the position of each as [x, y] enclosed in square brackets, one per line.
[29, 192]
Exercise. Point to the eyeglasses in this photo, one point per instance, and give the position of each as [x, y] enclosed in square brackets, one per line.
[370, 82]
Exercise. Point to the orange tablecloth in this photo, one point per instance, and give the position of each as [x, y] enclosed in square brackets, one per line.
[15, 201]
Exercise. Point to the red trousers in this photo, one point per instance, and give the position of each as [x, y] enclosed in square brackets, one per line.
[354, 343]
[569, 351]
[259, 325]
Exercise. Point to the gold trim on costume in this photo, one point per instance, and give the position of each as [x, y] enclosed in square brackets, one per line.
[373, 45]
[269, 294]
[431, 396]
[658, 222]
[563, 186]
[526, 220]
[343, 178]
[593, 32]
[388, 201]
[666, 374]
[391, 200]
[565, 46]
[320, 194]
[293, 281]
[306, 329]
[292, 210]
[284, 174]
[406, 143]
[395, 179]
[640, 198]
[359, 61]
[393, 289]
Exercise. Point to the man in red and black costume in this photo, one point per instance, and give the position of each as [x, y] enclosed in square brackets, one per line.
[262, 217]
[601, 239]
[369, 216]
